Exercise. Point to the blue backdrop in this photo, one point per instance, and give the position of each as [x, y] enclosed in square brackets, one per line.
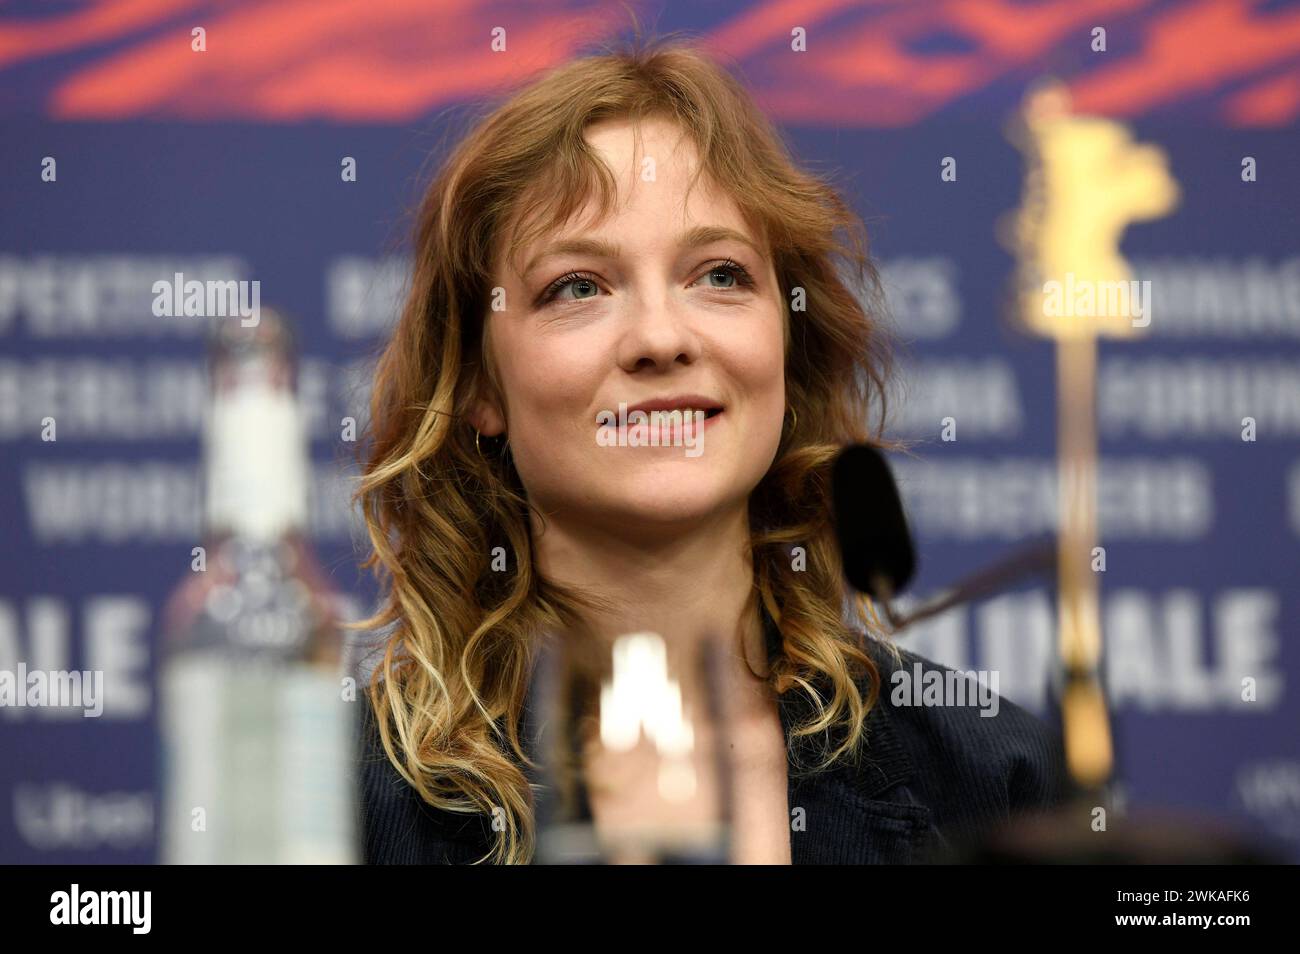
[229, 166]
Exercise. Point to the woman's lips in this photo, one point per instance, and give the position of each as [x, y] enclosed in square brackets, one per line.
[675, 402]
[671, 427]
[672, 430]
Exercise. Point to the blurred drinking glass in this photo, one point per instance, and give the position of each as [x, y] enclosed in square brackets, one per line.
[633, 745]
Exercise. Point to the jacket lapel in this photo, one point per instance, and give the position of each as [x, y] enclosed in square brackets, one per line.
[855, 814]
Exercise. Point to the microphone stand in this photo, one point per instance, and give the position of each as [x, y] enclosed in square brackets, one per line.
[1029, 561]
[1075, 832]
[1087, 827]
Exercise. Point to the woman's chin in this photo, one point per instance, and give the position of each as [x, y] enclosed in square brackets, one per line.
[667, 502]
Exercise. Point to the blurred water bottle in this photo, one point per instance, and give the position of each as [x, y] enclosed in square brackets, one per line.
[255, 730]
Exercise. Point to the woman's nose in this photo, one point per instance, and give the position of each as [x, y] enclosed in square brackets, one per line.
[658, 334]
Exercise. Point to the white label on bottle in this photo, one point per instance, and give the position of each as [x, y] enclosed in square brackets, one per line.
[257, 463]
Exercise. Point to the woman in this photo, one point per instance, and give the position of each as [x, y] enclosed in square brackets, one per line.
[629, 232]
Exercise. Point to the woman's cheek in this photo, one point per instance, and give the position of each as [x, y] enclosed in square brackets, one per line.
[549, 429]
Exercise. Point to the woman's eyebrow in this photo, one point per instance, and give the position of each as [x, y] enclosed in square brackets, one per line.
[599, 248]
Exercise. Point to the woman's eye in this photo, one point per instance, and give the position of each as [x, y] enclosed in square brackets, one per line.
[730, 270]
[585, 287]
[724, 274]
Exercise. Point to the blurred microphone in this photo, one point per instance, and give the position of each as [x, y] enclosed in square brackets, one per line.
[876, 543]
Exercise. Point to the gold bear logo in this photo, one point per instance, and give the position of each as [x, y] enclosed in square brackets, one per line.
[1086, 181]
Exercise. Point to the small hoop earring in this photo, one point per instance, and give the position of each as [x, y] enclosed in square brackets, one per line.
[479, 447]
[794, 422]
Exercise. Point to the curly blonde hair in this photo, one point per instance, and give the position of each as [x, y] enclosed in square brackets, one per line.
[460, 640]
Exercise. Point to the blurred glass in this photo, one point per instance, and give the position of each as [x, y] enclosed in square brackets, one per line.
[631, 737]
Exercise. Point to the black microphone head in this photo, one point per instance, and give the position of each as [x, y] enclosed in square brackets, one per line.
[875, 542]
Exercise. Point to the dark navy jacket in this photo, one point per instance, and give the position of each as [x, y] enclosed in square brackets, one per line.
[930, 780]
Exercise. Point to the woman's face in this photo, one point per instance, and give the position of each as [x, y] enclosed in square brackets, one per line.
[656, 314]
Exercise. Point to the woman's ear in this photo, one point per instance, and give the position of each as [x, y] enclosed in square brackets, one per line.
[485, 412]
[487, 418]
